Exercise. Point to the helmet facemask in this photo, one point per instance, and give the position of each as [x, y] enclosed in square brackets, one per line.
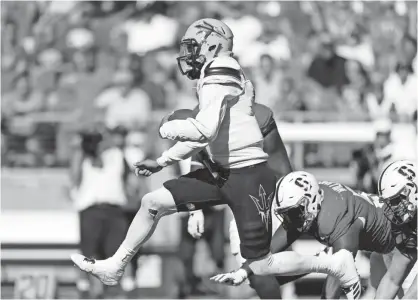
[297, 215]
[190, 62]
[204, 40]
[401, 208]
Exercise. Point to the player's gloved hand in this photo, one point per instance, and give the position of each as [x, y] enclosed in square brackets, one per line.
[235, 242]
[233, 278]
[147, 167]
[196, 224]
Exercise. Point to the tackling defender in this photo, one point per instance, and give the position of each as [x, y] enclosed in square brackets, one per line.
[334, 214]
[397, 188]
[225, 125]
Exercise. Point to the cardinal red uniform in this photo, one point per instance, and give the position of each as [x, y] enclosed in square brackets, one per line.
[341, 207]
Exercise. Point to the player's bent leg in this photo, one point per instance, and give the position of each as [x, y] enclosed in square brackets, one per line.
[154, 206]
[341, 265]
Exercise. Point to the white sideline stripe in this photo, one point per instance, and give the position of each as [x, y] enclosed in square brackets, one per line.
[39, 227]
[335, 132]
[37, 254]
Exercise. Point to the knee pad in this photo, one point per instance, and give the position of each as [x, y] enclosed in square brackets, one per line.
[154, 208]
[153, 212]
[150, 205]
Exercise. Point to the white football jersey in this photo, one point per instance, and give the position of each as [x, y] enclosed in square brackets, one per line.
[225, 124]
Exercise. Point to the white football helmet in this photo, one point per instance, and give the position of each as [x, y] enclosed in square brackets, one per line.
[204, 40]
[298, 199]
[397, 188]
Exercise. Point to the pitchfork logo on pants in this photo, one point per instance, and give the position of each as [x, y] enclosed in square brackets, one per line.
[263, 204]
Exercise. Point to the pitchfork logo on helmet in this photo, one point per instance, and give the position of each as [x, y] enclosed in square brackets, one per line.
[298, 199]
[398, 190]
[204, 40]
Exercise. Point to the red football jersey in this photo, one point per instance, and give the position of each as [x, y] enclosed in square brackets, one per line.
[340, 208]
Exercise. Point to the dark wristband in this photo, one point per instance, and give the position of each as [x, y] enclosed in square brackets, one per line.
[246, 267]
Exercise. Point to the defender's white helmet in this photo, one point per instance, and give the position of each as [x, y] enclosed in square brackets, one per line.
[397, 188]
[298, 199]
[204, 40]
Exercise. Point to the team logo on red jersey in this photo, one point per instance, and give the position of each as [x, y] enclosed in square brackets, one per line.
[263, 204]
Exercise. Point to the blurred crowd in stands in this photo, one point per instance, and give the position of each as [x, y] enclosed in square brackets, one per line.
[71, 66]
[86, 83]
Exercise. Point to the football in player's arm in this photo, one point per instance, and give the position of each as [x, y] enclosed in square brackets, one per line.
[398, 191]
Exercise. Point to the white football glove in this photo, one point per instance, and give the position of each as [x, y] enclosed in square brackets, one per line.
[235, 242]
[196, 224]
[233, 278]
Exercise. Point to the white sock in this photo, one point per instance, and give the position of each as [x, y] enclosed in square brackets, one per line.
[323, 264]
[292, 263]
[123, 255]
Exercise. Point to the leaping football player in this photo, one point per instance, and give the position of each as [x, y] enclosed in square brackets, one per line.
[333, 214]
[397, 188]
[227, 126]
[266, 287]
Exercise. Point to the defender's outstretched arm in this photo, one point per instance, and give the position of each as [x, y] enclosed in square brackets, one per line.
[412, 291]
[398, 270]
[350, 242]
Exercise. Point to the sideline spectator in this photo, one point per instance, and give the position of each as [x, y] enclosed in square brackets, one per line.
[327, 68]
[359, 48]
[376, 106]
[86, 81]
[98, 174]
[125, 104]
[155, 83]
[400, 90]
[354, 93]
[80, 37]
[246, 28]
[152, 31]
[23, 99]
[289, 97]
[48, 66]
[368, 162]
[267, 81]
[409, 50]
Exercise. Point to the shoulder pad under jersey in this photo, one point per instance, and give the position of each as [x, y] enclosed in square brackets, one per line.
[265, 118]
[222, 68]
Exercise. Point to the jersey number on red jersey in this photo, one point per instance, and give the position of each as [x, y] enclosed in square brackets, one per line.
[338, 187]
